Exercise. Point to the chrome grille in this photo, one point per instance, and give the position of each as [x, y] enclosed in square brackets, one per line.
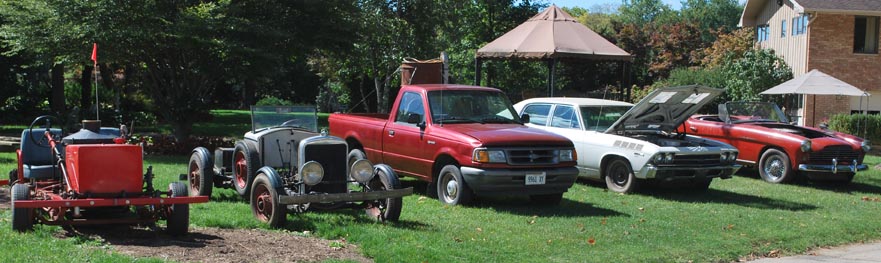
[532, 156]
[842, 153]
[696, 160]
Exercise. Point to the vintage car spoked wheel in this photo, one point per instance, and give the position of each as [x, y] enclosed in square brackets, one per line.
[200, 176]
[774, 166]
[178, 214]
[451, 187]
[264, 204]
[619, 176]
[22, 218]
[244, 167]
[388, 209]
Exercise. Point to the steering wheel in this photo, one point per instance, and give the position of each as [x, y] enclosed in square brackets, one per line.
[42, 142]
[291, 123]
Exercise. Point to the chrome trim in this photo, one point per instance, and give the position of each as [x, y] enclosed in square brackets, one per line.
[832, 168]
[301, 158]
[650, 171]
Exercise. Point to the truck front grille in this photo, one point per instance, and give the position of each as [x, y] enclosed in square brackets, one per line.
[541, 156]
[333, 158]
[842, 153]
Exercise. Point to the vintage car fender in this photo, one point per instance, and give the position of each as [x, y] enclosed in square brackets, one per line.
[274, 178]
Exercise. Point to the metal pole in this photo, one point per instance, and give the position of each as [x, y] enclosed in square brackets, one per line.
[97, 106]
[477, 67]
[552, 67]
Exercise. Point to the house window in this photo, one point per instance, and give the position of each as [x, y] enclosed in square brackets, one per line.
[761, 33]
[783, 28]
[799, 25]
[865, 37]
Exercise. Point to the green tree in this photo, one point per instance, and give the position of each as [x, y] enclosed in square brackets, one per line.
[757, 71]
[642, 12]
[712, 16]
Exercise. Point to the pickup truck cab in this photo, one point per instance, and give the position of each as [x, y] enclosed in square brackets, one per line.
[463, 140]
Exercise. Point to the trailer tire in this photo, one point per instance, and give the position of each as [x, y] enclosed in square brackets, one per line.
[22, 218]
[264, 202]
[244, 168]
[178, 214]
[201, 173]
[388, 209]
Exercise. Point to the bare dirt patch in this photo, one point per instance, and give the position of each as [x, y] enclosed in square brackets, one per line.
[5, 201]
[220, 245]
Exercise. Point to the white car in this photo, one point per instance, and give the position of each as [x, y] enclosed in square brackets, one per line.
[624, 145]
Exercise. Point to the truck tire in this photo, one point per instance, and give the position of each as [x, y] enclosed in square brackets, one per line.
[619, 176]
[388, 209]
[451, 187]
[201, 173]
[244, 168]
[178, 220]
[774, 167]
[264, 203]
[22, 218]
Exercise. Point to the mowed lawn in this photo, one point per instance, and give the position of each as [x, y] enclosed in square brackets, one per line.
[736, 218]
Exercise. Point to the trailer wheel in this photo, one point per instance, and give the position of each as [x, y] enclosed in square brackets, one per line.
[388, 209]
[201, 173]
[244, 167]
[451, 187]
[178, 214]
[264, 202]
[22, 218]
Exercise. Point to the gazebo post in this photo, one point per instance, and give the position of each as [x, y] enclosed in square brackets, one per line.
[477, 67]
[552, 66]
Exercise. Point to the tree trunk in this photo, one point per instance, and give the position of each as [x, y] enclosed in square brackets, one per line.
[86, 92]
[107, 80]
[248, 93]
[182, 130]
[56, 103]
[381, 95]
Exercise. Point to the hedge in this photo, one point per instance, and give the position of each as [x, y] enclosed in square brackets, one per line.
[863, 125]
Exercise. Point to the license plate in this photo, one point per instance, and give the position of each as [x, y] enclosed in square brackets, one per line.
[534, 179]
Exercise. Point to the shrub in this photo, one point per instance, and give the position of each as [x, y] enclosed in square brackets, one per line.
[273, 101]
[863, 125]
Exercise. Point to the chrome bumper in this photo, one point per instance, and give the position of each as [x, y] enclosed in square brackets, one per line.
[834, 167]
[500, 181]
[650, 171]
[344, 197]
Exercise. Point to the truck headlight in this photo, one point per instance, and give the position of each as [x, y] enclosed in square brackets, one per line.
[806, 146]
[866, 146]
[567, 155]
[312, 172]
[362, 171]
[489, 156]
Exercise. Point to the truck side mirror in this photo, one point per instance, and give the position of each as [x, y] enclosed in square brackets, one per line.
[415, 118]
[524, 118]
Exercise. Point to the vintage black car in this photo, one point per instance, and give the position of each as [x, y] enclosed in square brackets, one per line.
[284, 164]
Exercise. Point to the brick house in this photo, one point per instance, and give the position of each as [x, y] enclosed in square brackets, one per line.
[838, 37]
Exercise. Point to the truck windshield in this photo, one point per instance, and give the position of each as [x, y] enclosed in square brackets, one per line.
[304, 117]
[599, 118]
[465, 106]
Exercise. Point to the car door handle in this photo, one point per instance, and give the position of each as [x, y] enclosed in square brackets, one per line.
[693, 128]
[391, 133]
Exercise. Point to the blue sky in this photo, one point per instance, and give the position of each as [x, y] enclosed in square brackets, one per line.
[590, 3]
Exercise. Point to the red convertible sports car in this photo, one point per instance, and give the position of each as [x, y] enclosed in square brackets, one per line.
[778, 149]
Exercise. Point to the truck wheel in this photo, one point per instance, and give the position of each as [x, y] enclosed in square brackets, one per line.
[22, 218]
[451, 188]
[178, 214]
[774, 167]
[201, 173]
[547, 199]
[388, 209]
[244, 166]
[264, 203]
[619, 176]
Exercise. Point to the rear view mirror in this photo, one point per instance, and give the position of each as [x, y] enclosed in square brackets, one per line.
[524, 118]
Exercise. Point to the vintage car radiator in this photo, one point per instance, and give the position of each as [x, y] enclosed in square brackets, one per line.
[333, 158]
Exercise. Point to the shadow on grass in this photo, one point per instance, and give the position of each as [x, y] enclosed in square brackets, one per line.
[136, 236]
[841, 187]
[726, 197]
[348, 216]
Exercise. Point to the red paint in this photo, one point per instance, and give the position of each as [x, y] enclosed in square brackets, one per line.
[102, 202]
[104, 168]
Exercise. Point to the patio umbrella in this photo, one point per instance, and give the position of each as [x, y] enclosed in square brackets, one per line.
[816, 83]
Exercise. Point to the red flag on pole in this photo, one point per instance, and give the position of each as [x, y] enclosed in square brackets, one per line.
[95, 52]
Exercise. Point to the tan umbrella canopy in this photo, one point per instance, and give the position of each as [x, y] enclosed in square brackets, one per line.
[816, 83]
[550, 35]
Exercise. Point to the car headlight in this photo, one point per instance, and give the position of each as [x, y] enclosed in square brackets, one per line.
[732, 157]
[489, 156]
[311, 173]
[668, 158]
[659, 158]
[866, 146]
[723, 157]
[806, 146]
[567, 155]
[362, 171]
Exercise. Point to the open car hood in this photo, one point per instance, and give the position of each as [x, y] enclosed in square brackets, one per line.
[665, 109]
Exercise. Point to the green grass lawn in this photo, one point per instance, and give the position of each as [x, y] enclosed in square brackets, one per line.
[226, 123]
[735, 218]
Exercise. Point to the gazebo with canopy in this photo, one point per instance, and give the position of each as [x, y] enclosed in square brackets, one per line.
[550, 36]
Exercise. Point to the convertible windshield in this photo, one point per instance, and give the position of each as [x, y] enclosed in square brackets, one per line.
[465, 106]
[755, 112]
[599, 118]
[304, 117]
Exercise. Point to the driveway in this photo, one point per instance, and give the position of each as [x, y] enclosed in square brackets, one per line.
[857, 253]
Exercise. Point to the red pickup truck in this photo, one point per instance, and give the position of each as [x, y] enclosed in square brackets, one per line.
[463, 140]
